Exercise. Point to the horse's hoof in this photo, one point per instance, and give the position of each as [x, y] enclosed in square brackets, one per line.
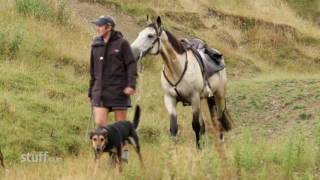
[222, 137]
[174, 139]
[203, 131]
[198, 146]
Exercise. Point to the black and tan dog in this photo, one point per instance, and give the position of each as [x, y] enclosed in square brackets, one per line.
[111, 138]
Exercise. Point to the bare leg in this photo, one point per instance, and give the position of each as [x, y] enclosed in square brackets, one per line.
[120, 115]
[101, 116]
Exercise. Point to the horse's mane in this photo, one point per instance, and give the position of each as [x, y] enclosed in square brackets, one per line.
[176, 44]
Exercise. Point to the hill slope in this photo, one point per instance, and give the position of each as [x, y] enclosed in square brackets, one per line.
[273, 66]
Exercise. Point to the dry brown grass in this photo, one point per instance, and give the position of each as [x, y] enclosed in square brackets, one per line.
[269, 105]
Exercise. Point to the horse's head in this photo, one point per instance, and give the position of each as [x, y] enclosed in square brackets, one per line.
[149, 39]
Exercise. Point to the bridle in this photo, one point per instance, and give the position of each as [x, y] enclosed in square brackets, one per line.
[156, 41]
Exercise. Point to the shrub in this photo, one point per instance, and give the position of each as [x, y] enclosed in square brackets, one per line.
[62, 14]
[38, 8]
[15, 43]
[44, 10]
[293, 155]
[10, 41]
[2, 43]
[245, 153]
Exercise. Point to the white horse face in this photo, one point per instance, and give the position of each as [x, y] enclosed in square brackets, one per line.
[147, 42]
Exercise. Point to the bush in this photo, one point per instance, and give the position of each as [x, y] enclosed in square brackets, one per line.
[62, 14]
[16, 41]
[44, 10]
[10, 41]
[245, 153]
[2, 43]
[38, 8]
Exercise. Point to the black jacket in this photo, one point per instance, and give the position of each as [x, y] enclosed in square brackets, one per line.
[112, 68]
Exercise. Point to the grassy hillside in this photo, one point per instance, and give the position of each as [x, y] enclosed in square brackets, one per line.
[261, 35]
[42, 80]
[272, 54]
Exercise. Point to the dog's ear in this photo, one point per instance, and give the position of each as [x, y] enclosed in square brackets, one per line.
[91, 135]
[103, 130]
[105, 133]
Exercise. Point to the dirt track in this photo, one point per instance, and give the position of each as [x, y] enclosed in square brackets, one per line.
[88, 12]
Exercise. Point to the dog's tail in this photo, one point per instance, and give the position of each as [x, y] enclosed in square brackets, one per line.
[136, 118]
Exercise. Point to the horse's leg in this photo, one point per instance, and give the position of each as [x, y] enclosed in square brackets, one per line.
[217, 128]
[203, 125]
[220, 117]
[171, 103]
[196, 118]
[223, 115]
[216, 105]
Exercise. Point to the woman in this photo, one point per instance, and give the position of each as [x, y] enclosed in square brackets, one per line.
[113, 72]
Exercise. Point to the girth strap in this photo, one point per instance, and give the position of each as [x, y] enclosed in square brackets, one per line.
[202, 67]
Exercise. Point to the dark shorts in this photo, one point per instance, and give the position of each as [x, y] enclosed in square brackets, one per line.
[110, 108]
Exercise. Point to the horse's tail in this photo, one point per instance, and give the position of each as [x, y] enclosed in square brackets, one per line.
[226, 120]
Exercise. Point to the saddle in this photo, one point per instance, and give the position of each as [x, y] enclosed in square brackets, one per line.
[210, 59]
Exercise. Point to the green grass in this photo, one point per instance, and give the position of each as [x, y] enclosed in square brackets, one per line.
[35, 98]
[44, 107]
[308, 9]
[42, 9]
[10, 41]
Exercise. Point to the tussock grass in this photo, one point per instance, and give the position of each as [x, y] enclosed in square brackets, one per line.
[307, 9]
[11, 39]
[273, 34]
[55, 10]
[43, 103]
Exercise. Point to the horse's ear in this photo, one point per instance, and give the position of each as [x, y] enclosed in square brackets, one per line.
[149, 21]
[159, 23]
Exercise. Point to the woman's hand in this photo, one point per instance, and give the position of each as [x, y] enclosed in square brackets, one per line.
[129, 91]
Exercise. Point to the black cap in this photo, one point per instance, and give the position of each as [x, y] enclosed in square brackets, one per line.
[104, 20]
